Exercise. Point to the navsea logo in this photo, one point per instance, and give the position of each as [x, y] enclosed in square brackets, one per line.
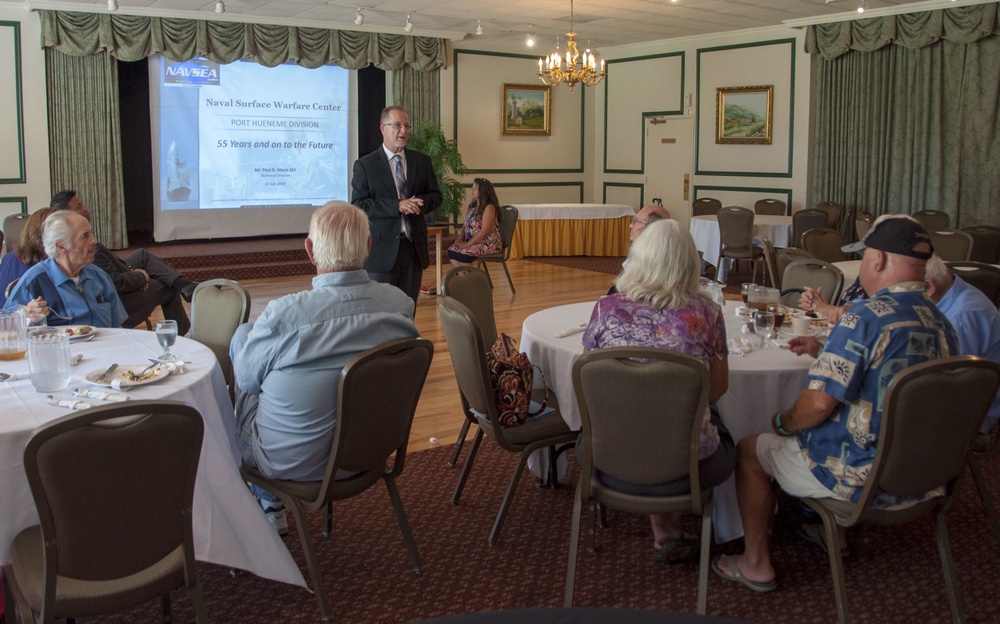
[196, 72]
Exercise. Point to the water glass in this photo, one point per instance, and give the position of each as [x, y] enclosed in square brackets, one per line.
[763, 325]
[49, 359]
[166, 335]
[36, 320]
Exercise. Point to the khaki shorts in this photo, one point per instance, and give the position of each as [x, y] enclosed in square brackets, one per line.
[782, 458]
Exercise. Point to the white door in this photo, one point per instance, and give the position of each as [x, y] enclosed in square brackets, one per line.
[669, 162]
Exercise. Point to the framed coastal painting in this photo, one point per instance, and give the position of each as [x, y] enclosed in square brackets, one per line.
[527, 110]
[743, 114]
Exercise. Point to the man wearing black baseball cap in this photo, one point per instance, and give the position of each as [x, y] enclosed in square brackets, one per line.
[824, 446]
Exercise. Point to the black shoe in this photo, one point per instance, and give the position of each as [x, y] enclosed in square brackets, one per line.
[188, 291]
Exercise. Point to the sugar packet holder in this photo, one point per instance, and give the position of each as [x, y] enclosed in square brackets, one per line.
[68, 403]
[100, 395]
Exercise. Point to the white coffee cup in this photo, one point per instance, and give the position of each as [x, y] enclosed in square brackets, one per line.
[801, 324]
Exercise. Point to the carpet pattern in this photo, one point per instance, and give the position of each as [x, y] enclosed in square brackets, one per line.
[894, 574]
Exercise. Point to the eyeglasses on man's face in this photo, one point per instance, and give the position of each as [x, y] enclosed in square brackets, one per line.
[397, 126]
[638, 221]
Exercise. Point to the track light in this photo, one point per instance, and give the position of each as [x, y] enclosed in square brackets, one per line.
[112, 5]
[479, 28]
[408, 27]
[220, 7]
[359, 19]
[861, 9]
[530, 40]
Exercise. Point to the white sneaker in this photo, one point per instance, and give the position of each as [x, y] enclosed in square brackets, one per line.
[277, 517]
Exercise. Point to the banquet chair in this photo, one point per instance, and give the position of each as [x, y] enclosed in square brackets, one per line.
[861, 226]
[833, 212]
[507, 226]
[814, 273]
[218, 307]
[736, 236]
[825, 244]
[924, 442]
[2, 248]
[933, 219]
[985, 277]
[471, 287]
[770, 207]
[705, 206]
[371, 425]
[13, 225]
[641, 409]
[805, 220]
[113, 487]
[789, 255]
[951, 245]
[986, 447]
[985, 243]
[771, 262]
[468, 357]
[10, 288]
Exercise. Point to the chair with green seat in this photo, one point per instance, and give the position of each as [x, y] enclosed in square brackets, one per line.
[923, 444]
[114, 487]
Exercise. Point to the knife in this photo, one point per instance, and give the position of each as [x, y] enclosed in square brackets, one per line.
[104, 376]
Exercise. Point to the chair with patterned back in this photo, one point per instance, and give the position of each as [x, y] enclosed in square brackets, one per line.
[805, 220]
[923, 445]
[705, 206]
[825, 244]
[770, 207]
[507, 225]
[933, 219]
[113, 487]
[951, 245]
[471, 287]
[814, 273]
[736, 236]
[372, 425]
[833, 212]
[985, 243]
[985, 277]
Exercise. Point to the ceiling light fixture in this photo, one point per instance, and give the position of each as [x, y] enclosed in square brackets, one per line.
[220, 7]
[861, 9]
[551, 69]
[479, 28]
[530, 39]
[112, 5]
[408, 27]
[359, 19]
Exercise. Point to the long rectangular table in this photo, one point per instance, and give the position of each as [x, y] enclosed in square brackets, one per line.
[571, 230]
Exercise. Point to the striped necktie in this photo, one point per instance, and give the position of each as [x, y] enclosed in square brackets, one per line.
[400, 177]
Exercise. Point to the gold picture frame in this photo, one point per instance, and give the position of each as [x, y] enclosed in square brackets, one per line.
[527, 110]
[743, 114]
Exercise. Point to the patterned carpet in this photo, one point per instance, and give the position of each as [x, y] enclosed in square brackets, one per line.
[894, 574]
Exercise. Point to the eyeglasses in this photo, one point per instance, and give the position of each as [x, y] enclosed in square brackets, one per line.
[399, 126]
[638, 221]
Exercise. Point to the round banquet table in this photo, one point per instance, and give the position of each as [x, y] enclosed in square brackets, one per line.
[760, 383]
[229, 528]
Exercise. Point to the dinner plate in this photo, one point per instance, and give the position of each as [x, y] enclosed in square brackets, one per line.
[76, 337]
[154, 374]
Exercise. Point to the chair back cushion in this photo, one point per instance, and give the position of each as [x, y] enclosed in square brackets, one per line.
[985, 277]
[218, 307]
[736, 228]
[825, 244]
[833, 212]
[468, 354]
[933, 219]
[814, 273]
[985, 243]
[805, 220]
[951, 245]
[471, 287]
[770, 207]
[705, 206]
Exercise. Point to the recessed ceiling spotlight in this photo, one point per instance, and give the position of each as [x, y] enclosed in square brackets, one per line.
[479, 27]
[408, 27]
[359, 19]
[112, 5]
[220, 7]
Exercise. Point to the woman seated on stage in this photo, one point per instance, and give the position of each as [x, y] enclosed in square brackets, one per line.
[481, 231]
[659, 303]
[28, 252]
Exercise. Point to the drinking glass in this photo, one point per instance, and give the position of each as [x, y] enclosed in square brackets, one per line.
[763, 325]
[745, 291]
[166, 335]
[779, 316]
[13, 333]
[36, 320]
[49, 359]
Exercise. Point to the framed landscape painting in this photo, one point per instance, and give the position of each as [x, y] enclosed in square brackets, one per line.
[527, 110]
[743, 114]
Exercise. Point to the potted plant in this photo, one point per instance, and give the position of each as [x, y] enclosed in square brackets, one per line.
[428, 137]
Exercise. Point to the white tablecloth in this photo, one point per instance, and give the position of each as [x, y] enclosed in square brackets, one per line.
[539, 212]
[229, 527]
[705, 231]
[760, 383]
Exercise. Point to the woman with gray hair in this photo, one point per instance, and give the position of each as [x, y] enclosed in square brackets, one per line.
[659, 303]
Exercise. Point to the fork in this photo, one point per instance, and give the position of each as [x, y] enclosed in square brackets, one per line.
[57, 315]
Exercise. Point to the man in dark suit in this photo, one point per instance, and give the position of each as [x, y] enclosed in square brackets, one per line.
[396, 187]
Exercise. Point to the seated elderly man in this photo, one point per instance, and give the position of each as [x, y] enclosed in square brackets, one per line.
[975, 319]
[824, 446]
[66, 286]
[287, 364]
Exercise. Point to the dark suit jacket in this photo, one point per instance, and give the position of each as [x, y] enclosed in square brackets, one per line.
[373, 189]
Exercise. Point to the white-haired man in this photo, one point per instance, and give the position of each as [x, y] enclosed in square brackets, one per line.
[287, 364]
[66, 286]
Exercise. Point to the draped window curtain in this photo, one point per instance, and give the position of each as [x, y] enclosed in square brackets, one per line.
[82, 82]
[419, 92]
[905, 114]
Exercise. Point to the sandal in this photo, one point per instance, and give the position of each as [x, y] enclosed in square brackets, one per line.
[673, 551]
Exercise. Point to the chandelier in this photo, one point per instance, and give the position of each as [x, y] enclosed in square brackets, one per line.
[552, 70]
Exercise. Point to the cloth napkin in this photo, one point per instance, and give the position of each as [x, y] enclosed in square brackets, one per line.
[68, 403]
[100, 395]
[572, 330]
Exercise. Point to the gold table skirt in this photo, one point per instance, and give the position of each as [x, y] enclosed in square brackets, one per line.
[571, 237]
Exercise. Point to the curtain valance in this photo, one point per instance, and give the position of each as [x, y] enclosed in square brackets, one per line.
[133, 38]
[965, 24]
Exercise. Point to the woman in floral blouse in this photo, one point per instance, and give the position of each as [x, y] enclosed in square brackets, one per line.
[659, 303]
[481, 231]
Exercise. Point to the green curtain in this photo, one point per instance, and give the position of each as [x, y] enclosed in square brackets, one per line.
[913, 125]
[85, 151]
[419, 92]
